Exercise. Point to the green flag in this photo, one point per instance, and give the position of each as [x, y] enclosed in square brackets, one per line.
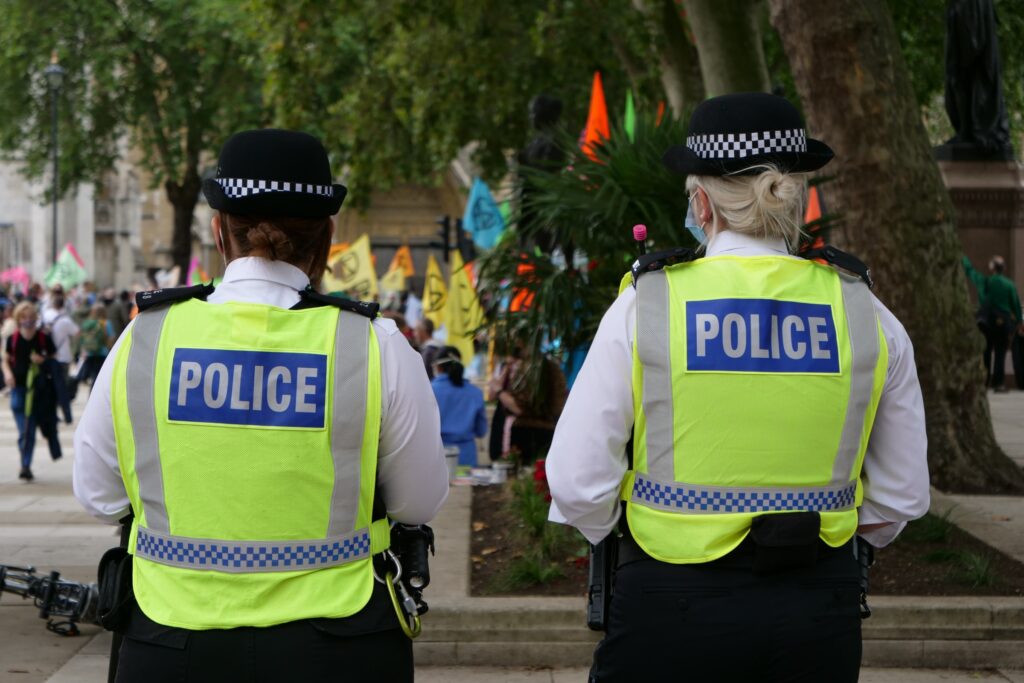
[630, 119]
[68, 271]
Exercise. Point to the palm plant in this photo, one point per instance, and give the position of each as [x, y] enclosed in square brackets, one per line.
[586, 211]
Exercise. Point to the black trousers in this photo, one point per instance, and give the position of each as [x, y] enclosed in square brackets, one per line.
[366, 647]
[997, 338]
[720, 622]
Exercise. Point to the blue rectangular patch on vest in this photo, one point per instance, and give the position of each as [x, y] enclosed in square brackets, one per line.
[760, 335]
[256, 388]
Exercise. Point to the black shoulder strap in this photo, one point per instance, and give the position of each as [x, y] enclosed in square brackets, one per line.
[310, 298]
[840, 259]
[156, 297]
[661, 259]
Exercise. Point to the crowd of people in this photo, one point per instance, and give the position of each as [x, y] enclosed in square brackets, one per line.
[52, 342]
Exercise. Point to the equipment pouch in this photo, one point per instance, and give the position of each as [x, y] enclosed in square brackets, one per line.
[785, 541]
[116, 597]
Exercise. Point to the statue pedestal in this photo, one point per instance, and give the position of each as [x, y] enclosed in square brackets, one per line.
[988, 197]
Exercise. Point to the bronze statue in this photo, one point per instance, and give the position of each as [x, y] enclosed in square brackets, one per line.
[974, 91]
[542, 153]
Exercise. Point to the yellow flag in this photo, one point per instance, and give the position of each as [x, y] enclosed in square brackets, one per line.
[351, 271]
[435, 294]
[463, 314]
[393, 281]
[403, 260]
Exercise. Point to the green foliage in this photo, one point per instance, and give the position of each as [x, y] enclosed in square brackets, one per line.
[975, 570]
[921, 25]
[528, 505]
[168, 73]
[534, 568]
[588, 210]
[929, 529]
[397, 88]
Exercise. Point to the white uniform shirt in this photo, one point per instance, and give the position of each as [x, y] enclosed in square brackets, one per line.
[62, 329]
[587, 459]
[411, 472]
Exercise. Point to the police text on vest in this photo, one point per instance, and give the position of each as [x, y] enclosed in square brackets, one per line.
[257, 388]
[760, 335]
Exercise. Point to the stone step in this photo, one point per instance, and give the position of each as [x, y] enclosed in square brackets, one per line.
[960, 632]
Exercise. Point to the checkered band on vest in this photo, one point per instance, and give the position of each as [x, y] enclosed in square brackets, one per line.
[740, 145]
[251, 556]
[244, 187]
[692, 499]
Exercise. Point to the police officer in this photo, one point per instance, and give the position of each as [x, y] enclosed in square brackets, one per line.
[259, 435]
[757, 410]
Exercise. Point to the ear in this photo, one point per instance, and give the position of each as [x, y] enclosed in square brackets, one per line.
[218, 238]
[703, 208]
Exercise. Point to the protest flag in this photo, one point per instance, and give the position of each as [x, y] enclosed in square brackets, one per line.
[482, 219]
[463, 314]
[393, 281]
[351, 272]
[196, 274]
[435, 293]
[597, 130]
[68, 270]
[403, 260]
[629, 121]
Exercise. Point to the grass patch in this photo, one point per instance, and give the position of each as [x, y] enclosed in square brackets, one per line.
[974, 570]
[929, 529]
[530, 570]
[942, 556]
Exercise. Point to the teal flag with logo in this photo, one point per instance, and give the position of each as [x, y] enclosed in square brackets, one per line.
[483, 219]
[68, 271]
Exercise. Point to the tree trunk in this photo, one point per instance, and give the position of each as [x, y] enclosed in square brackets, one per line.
[856, 92]
[728, 35]
[679, 63]
[183, 197]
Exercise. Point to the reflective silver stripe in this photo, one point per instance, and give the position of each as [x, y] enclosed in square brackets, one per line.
[142, 413]
[696, 499]
[655, 351]
[862, 326]
[348, 422]
[245, 557]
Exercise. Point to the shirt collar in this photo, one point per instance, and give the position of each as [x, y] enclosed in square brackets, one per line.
[736, 244]
[256, 268]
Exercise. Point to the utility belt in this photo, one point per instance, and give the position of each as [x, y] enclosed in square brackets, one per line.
[776, 543]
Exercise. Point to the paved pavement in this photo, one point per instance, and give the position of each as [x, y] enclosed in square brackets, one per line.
[42, 525]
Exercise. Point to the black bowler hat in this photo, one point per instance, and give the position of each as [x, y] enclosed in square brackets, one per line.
[731, 133]
[270, 172]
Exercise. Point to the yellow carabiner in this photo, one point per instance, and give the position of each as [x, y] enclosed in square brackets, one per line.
[411, 625]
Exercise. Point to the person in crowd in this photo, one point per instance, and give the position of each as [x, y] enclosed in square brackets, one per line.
[999, 316]
[7, 328]
[96, 338]
[463, 413]
[33, 400]
[532, 401]
[752, 412]
[286, 415]
[427, 345]
[64, 332]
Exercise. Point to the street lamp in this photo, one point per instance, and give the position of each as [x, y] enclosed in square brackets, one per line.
[55, 78]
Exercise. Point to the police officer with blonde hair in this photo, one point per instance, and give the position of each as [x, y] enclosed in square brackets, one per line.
[757, 412]
[260, 432]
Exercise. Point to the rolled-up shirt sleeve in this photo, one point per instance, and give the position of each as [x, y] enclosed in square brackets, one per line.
[412, 474]
[587, 459]
[895, 473]
[96, 475]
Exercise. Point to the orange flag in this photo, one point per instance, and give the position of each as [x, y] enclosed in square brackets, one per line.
[403, 259]
[597, 130]
[813, 212]
[522, 299]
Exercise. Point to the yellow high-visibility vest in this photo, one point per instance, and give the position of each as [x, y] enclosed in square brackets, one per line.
[247, 440]
[755, 385]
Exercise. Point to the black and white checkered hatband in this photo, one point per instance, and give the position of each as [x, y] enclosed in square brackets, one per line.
[235, 188]
[741, 145]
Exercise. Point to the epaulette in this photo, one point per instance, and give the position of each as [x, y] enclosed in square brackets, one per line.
[310, 298]
[840, 259]
[156, 297]
[661, 259]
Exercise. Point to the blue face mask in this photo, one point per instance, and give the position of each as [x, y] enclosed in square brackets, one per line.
[691, 224]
